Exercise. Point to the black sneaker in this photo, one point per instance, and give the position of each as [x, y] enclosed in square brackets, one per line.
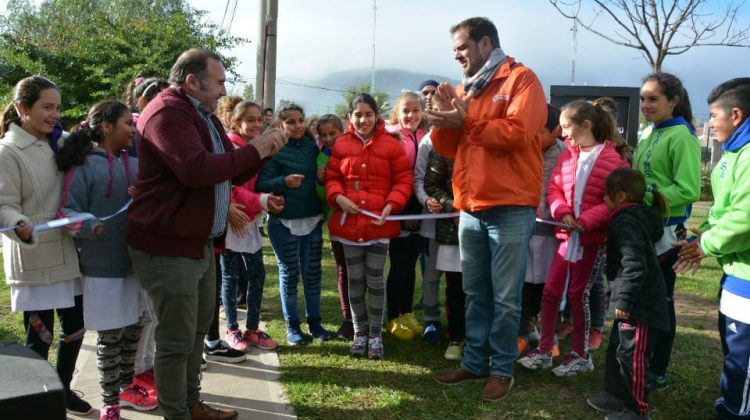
[75, 405]
[606, 403]
[223, 353]
[657, 383]
[204, 363]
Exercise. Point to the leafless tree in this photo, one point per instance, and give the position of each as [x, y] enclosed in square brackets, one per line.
[659, 29]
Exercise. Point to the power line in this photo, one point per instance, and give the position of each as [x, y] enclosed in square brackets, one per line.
[226, 8]
[309, 86]
[232, 18]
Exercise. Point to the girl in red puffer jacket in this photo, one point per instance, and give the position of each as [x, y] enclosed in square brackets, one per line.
[576, 197]
[368, 171]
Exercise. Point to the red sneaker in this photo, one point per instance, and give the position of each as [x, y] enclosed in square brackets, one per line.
[137, 397]
[236, 340]
[260, 339]
[147, 381]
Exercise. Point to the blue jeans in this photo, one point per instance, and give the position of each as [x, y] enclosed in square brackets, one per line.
[494, 244]
[295, 255]
[255, 273]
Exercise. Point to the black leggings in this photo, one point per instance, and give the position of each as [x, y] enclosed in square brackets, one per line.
[455, 306]
[403, 253]
[531, 304]
[664, 340]
[39, 326]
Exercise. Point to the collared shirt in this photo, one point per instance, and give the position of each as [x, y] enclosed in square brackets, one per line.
[223, 190]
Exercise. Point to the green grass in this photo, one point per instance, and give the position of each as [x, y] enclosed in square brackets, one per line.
[323, 381]
[11, 324]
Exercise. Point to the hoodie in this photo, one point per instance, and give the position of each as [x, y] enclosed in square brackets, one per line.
[100, 186]
[633, 268]
[669, 156]
[727, 230]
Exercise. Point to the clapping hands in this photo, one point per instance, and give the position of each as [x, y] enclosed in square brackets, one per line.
[690, 255]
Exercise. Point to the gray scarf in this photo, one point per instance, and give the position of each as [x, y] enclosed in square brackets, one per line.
[476, 83]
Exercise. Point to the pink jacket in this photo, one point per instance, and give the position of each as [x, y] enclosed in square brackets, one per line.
[245, 194]
[409, 140]
[594, 212]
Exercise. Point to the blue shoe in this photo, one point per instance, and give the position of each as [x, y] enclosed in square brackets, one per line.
[431, 334]
[315, 326]
[294, 335]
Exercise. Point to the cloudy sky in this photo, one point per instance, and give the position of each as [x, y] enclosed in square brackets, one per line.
[318, 37]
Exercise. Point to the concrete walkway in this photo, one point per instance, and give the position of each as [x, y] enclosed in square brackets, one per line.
[251, 387]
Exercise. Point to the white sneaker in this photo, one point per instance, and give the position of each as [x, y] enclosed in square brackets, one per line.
[536, 359]
[572, 365]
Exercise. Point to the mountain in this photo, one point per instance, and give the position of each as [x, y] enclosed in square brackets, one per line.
[322, 96]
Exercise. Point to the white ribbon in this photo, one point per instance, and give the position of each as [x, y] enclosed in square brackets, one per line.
[441, 216]
[65, 221]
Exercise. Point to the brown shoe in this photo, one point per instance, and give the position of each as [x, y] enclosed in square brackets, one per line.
[497, 387]
[457, 376]
[201, 411]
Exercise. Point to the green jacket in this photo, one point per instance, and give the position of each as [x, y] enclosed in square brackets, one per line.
[669, 155]
[297, 157]
[727, 230]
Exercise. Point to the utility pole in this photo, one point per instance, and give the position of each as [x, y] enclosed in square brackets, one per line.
[260, 61]
[374, 21]
[269, 88]
[574, 47]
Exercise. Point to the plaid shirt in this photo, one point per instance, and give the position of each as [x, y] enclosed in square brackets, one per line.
[223, 190]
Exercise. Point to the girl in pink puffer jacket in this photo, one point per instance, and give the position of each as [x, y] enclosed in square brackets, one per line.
[576, 195]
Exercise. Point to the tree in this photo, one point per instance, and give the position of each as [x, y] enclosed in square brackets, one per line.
[93, 49]
[249, 92]
[662, 28]
[381, 97]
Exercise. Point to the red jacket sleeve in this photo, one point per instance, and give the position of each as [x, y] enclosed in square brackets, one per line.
[245, 194]
[558, 206]
[599, 215]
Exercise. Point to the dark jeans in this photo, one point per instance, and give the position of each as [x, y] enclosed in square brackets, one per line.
[230, 277]
[403, 253]
[664, 340]
[39, 326]
[213, 330]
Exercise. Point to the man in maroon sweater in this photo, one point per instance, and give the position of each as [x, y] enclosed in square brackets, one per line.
[186, 167]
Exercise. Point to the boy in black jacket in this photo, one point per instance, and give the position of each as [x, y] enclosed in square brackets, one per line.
[639, 294]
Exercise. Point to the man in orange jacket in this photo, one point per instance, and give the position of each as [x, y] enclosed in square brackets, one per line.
[491, 125]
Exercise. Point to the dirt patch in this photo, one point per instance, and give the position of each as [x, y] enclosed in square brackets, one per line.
[696, 312]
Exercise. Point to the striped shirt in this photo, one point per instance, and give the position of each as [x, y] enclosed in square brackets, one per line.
[223, 190]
